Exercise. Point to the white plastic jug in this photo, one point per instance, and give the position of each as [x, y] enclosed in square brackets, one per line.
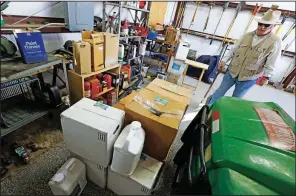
[120, 52]
[142, 48]
[70, 179]
[128, 148]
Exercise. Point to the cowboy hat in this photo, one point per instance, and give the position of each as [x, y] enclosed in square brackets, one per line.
[270, 17]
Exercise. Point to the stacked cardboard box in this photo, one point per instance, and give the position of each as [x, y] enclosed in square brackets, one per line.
[90, 130]
[141, 182]
[89, 134]
[111, 49]
[172, 36]
[96, 41]
[82, 57]
[160, 108]
[96, 51]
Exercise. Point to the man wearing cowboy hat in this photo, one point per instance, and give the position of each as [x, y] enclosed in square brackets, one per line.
[252, 56]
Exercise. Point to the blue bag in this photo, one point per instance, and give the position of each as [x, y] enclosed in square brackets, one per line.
[209, 74]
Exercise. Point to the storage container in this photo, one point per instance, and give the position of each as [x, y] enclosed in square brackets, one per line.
[142, 48]
[182, 51]
[128, 148]
[70, 179]
[120, 52]
[142, 182]
[94, 172]
[90, 130]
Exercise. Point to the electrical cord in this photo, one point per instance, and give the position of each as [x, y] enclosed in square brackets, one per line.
[35, 13]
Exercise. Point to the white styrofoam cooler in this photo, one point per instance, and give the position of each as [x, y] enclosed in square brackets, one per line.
[128, 148]
[90, 131]
[94, 172]
[70, 179]
[141, 182]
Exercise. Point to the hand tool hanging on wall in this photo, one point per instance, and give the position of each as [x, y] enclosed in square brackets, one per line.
[207, 20]
[287, 46]
[289, 31]
[255, 11]
[285, 16]
[192, 20]
[287, 81]
[226, 4]
[238, 9]
[181, 14]
[285, 75]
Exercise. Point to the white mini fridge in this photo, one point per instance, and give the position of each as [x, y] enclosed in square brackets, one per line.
[90, 130]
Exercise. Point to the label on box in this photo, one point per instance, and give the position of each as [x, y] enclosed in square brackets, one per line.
[161, 101]
[101, 105]
[176, 67]
[174, 85]
[279, 132]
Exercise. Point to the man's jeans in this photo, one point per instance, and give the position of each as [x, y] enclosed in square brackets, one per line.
[241, 87]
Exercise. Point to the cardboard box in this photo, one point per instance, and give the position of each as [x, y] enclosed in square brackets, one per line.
[141, 182]
[111, 49]
[150, 61]
[160, 130]
[94, 172]
[172, 36]
[182, 50]
[97, 48]
[126, 100]
[171, 90]
[173, 78]
[82, 57]
[88, 35]
[90, 129]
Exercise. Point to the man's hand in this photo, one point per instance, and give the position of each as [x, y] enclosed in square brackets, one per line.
[263, 81]
[221, 65]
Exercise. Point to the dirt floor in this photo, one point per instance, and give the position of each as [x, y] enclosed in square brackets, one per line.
[45, 133]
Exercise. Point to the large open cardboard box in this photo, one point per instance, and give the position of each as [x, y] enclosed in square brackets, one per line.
[82, 57]
[111, 49]
[97, 48]
[160, 130]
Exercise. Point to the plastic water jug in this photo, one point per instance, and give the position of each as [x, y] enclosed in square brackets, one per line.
[120, 52]
[70, 179]
[128, 148]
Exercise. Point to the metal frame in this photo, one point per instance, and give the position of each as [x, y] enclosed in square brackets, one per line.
[29, 72]
[143, 20]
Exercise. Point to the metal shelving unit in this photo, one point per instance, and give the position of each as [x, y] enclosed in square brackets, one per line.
[142, 20]
[21, 96]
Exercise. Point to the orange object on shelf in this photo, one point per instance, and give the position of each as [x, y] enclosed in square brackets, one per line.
[95, 86]
[128, 69]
